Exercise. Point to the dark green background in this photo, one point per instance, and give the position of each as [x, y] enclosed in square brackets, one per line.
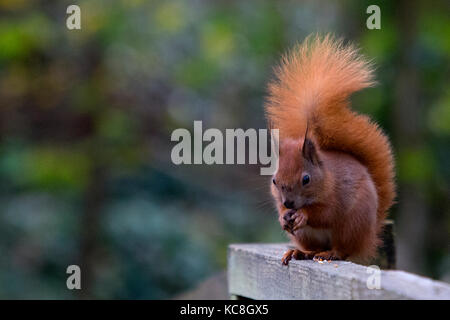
[86, 118]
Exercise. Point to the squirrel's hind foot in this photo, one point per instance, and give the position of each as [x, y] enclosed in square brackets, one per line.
[329, 255]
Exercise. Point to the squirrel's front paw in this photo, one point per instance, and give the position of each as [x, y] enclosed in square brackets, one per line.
[294, 220]
[285, 220]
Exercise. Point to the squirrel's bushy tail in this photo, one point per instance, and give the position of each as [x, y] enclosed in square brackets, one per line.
[312, 86]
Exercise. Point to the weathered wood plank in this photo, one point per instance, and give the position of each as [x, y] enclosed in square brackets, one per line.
[255, 271]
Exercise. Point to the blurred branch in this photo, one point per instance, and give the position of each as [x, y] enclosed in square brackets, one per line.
[413, 211]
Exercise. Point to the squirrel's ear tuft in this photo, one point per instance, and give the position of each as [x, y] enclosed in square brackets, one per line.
[309, 152]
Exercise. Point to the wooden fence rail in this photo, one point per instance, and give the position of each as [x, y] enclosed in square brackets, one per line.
[255, 272]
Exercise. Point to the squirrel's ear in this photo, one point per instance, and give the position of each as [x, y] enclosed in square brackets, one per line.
[309, 152]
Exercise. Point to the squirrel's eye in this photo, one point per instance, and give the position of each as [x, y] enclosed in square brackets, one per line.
[274, 182]
[306, 179]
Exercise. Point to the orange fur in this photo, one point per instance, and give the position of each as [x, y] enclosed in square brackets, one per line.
[311, 88]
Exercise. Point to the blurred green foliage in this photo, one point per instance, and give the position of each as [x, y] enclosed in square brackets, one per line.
[86, 117]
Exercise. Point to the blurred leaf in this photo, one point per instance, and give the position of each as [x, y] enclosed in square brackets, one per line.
[380, 44]
[370, 101]
[19, 38]
[263, 28]
[46, 168]
[435, 30]
[117, 126]
[15, 4]
[53, 169]
[415, 166]
[170, 16]
[197, 73]
[218, 40]
[439, 116]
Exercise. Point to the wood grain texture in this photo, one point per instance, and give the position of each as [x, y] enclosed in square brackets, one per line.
[255, 271]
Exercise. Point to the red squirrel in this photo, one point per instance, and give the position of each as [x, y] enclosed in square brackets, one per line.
[335, 176]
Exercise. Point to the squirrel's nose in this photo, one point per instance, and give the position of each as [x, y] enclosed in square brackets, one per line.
[289, 204]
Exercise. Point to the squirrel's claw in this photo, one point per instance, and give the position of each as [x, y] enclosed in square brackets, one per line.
[287, 257]
[328, 255]
[293, 253]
